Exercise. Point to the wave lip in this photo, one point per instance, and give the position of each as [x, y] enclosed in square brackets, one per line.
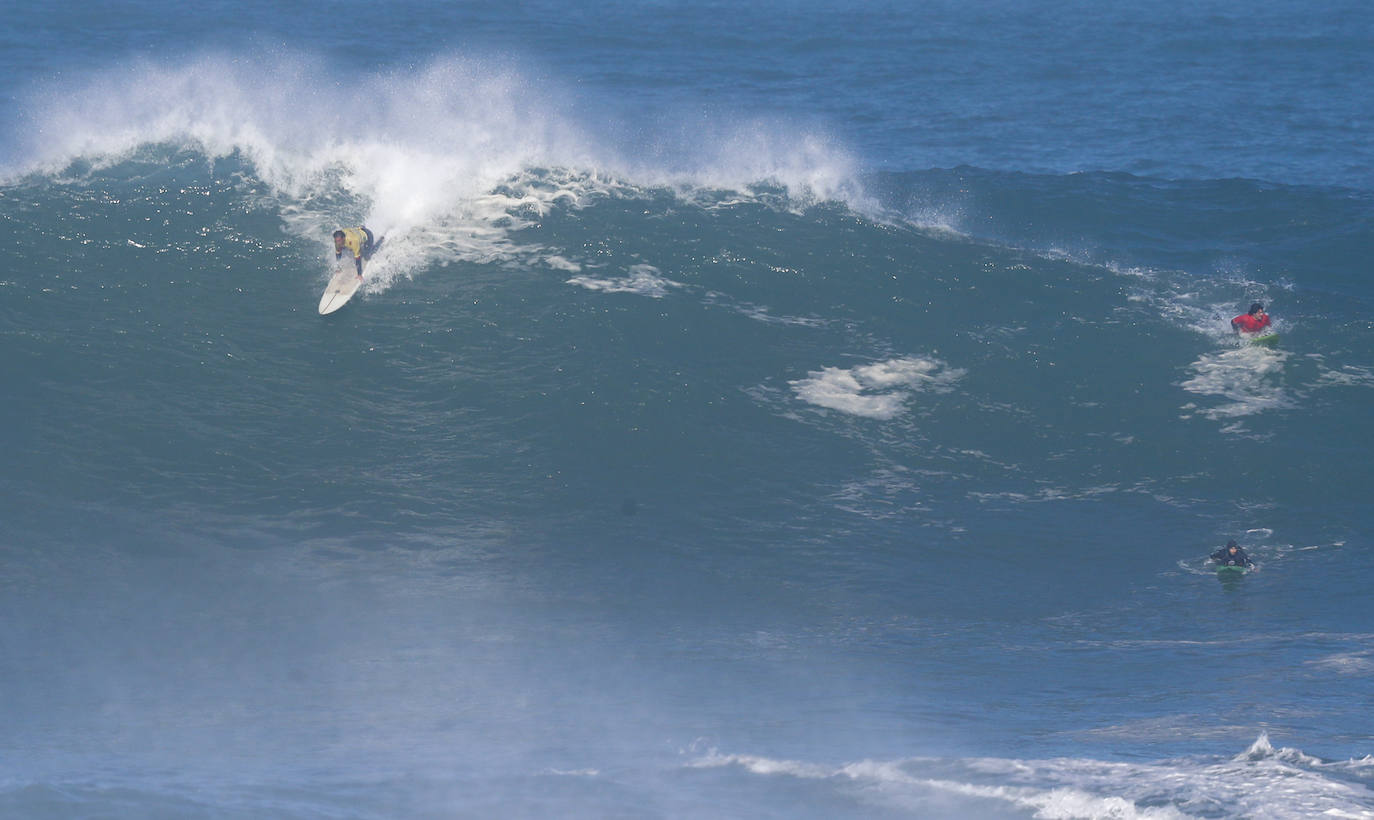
[447, 160]
[410, 142]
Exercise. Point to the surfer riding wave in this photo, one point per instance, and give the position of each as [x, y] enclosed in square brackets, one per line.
[359, 240]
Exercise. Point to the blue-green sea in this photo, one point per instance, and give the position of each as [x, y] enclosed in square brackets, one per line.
[784, 409]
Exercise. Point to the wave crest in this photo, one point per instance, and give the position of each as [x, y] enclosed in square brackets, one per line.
[411, 145]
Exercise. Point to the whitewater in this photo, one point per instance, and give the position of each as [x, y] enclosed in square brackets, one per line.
[768, 410]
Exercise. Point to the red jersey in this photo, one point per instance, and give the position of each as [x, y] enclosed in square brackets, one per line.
[1250, 324]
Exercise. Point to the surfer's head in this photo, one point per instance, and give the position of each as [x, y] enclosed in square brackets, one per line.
[1255, 308]
[338, 240]
[1232, 546]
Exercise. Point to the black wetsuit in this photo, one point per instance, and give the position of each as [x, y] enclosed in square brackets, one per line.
[1236, 559]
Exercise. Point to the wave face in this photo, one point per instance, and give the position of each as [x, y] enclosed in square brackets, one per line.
[693, 448]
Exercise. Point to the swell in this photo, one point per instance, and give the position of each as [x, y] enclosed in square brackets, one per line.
[577, 301]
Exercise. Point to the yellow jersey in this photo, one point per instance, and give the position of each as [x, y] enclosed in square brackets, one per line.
[353, 240]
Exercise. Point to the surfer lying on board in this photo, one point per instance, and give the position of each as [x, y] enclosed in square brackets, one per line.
[1252, 322]
[359, 240]
[1232, 555]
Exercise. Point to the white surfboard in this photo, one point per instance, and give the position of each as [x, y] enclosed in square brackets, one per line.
[341, 288]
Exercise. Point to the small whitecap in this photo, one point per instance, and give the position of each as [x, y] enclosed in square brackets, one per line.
[644, 280]
[880, 390]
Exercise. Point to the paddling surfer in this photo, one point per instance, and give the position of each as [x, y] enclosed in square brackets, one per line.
[1252, 322]
[1232, 555]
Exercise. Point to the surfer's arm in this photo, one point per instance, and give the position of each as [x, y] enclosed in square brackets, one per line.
[358, 265]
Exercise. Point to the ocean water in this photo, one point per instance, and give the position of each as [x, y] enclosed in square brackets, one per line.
[773, 409]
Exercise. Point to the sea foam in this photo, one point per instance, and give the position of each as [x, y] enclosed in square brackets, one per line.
[432, 156]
